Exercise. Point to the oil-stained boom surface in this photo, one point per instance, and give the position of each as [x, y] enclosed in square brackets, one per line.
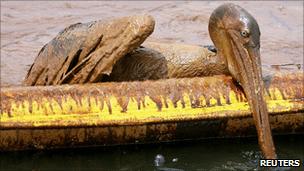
[139, 112]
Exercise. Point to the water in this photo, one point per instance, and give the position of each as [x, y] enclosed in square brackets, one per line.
[229, 154]
[27, 26]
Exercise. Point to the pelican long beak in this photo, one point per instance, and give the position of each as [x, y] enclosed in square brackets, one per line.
[246, 68]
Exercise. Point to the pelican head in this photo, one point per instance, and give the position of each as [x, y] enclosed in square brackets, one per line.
[236, 35]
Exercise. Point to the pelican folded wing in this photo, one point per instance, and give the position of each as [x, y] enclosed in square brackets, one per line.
[85, 52]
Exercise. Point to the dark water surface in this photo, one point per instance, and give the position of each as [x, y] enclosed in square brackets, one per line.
[229, 154]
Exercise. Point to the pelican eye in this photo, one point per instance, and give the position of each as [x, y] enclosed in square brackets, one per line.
[245, 33]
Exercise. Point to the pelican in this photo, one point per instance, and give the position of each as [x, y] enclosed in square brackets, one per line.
[234, 32]
[236, 35]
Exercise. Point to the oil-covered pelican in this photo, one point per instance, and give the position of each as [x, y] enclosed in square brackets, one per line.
[80, 54]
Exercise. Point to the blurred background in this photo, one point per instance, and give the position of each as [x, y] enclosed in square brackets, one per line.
[27, 26]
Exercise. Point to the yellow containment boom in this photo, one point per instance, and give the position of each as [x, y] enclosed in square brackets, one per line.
[46, 117]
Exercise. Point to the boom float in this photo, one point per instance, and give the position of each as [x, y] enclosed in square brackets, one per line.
[47, 117]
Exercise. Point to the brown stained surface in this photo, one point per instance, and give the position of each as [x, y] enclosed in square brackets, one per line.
[184, 60]
[73, 137]
[141, 64]
[294, 82]
[26, 26]
[161, 92]
[66, 134]
[288, 123]
[50, 138]
[170, 90]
